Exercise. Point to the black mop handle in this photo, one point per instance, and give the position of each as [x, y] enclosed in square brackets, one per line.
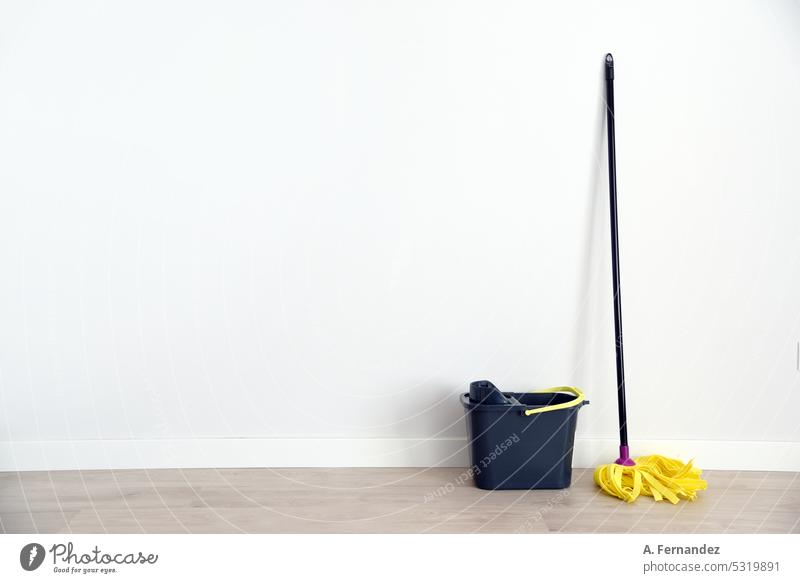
[612, 193]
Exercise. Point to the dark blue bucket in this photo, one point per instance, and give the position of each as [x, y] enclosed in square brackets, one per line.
[521, 441]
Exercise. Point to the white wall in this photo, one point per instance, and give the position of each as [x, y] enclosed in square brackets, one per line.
[274, 220]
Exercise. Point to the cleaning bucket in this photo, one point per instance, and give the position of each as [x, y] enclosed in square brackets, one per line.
[521, 441]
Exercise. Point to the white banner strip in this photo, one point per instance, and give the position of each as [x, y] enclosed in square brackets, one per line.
[373, 558]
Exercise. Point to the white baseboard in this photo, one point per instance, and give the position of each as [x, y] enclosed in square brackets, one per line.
[316, 452]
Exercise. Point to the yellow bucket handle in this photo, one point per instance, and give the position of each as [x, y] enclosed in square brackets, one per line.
[579, 398]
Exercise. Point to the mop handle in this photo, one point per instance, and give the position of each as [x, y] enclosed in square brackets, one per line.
[612, 193]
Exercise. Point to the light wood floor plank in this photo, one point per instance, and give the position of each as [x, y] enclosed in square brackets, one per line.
[373, 500]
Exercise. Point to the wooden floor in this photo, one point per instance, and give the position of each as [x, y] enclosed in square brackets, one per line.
[373, 500]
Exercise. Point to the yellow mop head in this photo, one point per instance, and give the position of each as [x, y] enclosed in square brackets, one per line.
[653, 475]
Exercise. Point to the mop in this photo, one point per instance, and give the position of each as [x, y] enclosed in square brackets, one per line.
[658, 476]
